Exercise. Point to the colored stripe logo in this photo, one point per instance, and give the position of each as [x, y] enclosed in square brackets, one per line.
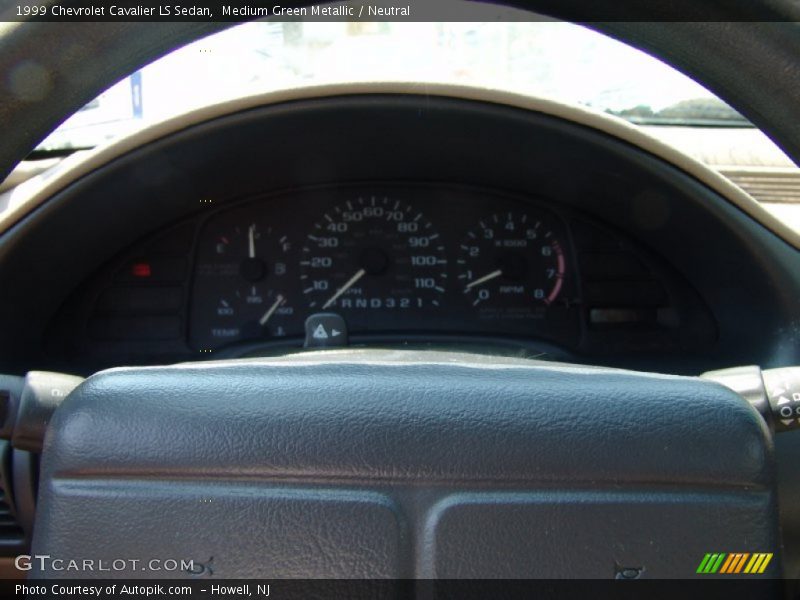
[735, 562]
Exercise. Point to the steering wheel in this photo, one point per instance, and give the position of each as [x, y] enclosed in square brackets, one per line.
[385, 464]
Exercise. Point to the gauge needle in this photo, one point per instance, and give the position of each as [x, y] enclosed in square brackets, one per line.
[251, 241]
[359, 274]
[278, 301]
[484, 279]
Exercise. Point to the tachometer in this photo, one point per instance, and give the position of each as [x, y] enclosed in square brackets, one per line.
[511, 261]
[373, 252]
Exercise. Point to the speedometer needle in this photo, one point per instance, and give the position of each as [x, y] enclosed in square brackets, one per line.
[278, 301]
[484, 279]
[350, 282]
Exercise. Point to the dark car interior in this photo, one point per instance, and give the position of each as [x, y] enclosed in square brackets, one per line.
[399, 332]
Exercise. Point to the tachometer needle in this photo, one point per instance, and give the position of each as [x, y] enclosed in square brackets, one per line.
[484, 279]
[278, 301]
[251, 241]
[350, 282]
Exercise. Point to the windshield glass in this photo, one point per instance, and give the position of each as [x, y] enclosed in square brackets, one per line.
[562, 61]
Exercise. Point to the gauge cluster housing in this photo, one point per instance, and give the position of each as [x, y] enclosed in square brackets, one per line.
[193, 288]
[613, 203]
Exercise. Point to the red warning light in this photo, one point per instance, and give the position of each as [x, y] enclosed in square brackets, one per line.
[141, 269]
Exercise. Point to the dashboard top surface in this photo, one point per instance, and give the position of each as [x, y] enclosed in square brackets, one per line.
[39, 189]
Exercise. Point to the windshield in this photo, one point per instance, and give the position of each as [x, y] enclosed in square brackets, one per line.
[562, 61]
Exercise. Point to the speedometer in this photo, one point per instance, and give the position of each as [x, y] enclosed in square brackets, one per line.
[373, 252]
[511, 262]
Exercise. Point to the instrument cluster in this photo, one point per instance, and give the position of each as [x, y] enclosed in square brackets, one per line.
[389, 259]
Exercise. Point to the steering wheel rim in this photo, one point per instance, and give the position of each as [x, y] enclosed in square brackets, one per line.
[752, 65]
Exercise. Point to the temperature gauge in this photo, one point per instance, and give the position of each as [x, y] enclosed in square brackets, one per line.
[240, 285]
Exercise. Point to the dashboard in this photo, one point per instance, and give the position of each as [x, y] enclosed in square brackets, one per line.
[410, 221]
[393, 264]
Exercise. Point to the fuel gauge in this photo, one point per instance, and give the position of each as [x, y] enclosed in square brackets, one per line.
[240, 285]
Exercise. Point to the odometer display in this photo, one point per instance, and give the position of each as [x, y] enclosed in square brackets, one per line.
[373, 253]
[511, 262]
